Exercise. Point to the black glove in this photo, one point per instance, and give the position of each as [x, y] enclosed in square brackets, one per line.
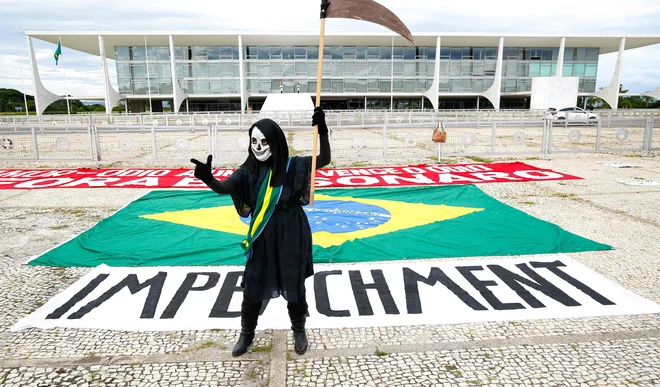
[319, 119]
[203, 171]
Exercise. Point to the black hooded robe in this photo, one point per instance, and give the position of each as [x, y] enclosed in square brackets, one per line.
[281, 258]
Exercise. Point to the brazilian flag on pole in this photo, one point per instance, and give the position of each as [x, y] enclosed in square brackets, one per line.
[58, 52]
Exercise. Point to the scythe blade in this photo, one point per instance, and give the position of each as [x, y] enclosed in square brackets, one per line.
[368, 10]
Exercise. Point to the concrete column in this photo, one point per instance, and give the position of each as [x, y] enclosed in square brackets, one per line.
[42, 97]
[495, 91]
[611, 93]
[432, 93]
[241, 72]
[560, 59]
[111, 95]
[392, 77]
[177, 93]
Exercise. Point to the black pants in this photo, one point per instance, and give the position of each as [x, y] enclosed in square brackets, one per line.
[250, 312]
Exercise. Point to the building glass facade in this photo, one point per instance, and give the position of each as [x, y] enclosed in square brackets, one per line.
[351, 71]
[346, 69]
[208, 69]
[135, 77]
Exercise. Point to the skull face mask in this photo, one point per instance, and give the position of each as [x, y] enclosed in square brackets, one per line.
[260, 146]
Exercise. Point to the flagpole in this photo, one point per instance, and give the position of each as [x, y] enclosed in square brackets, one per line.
[367, 10]
[20, 65]
[27, 112]
[319, 75]
[66, 88]
[146, 57]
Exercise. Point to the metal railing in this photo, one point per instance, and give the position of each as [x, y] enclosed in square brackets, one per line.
[394, 141]
[48, 143]
[151, 143]
[303, 118]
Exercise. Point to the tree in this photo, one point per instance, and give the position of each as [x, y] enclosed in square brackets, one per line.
[59, 106]
[647, 100]
[625, 103]
[75, 106]
[120, 107]
[10, 99]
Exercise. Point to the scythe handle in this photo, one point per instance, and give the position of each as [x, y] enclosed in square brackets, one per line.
[318, 103]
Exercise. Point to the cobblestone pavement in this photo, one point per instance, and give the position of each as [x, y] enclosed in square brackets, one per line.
[597, 351]
[592, 364]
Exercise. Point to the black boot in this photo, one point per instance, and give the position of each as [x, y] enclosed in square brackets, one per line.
[299, 335]
[244, 342]
[249, 317]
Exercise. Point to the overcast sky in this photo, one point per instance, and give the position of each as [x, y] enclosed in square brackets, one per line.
[83, 75]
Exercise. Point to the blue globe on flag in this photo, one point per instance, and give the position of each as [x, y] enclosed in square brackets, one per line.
[335, 216]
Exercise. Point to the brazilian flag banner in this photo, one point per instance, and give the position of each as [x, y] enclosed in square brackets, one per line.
[201, 228]
[58, 52]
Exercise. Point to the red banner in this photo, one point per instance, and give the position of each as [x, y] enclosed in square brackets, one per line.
[328, 178]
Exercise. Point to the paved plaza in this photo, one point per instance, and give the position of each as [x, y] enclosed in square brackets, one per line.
[600, 351]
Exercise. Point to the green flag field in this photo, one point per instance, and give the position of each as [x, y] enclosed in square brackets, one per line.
[200, 228]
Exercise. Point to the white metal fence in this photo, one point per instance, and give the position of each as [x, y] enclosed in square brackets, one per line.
[66, 143]
[166, 144]
[303, 118]
[150, 144]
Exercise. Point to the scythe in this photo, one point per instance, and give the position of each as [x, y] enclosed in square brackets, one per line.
[367, 10]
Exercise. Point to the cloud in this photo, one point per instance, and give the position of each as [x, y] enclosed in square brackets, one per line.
[608, 17]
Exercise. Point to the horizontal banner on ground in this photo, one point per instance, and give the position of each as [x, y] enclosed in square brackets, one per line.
[335, 178]
[617, 164]
[641, 182]
[364, 295]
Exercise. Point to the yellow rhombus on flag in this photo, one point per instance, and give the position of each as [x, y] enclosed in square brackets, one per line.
[403, 216]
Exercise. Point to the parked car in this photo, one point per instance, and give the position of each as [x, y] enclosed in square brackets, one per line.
[571, 113]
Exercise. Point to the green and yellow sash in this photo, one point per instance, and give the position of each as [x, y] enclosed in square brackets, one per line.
[266, 201]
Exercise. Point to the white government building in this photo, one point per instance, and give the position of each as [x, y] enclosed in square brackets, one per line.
[221, 71]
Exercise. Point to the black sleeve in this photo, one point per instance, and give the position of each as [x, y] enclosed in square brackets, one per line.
[221, 187]
[324, 157]
[227, 186]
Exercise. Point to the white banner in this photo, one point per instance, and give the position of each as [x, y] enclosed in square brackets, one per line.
[641, 182]
[617, 164]
[342, 295]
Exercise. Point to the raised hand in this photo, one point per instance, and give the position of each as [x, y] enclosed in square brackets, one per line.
[319, 119]
[203, 172]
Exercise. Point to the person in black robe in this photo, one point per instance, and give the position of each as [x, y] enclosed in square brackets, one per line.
[280, 258]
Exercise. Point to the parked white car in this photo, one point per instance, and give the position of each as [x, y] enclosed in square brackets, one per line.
[570, 113]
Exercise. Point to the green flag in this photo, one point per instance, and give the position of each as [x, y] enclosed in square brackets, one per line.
[197, 228]
[58, 52]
